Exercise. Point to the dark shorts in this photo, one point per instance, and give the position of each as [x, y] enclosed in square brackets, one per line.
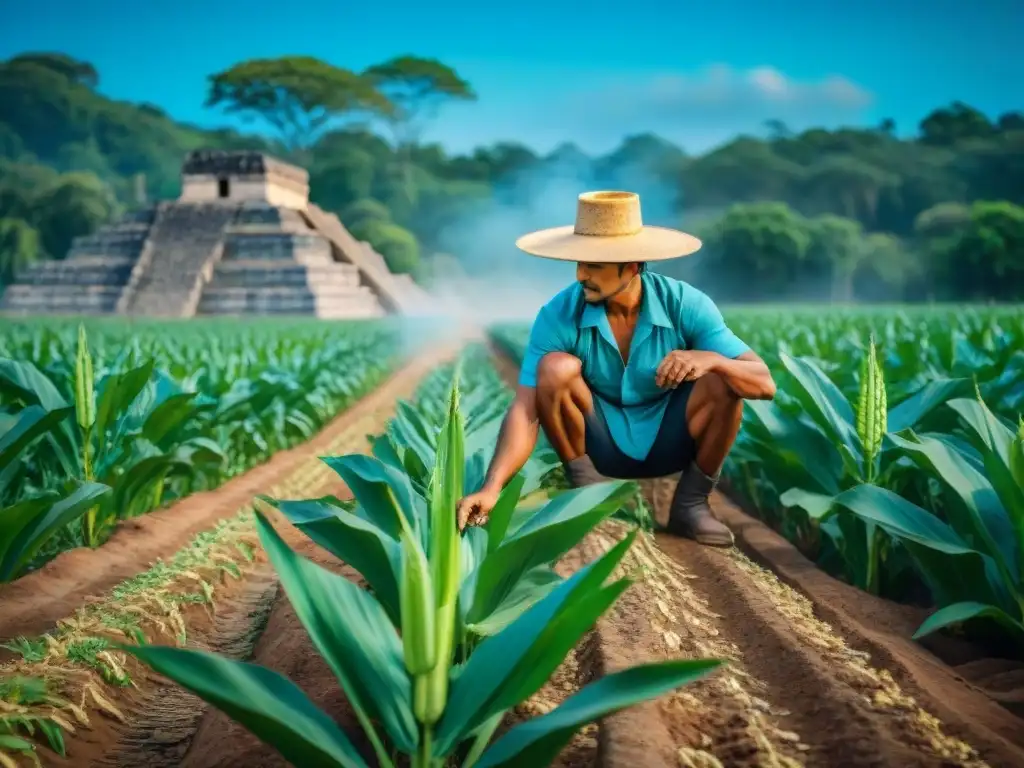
[673, 448]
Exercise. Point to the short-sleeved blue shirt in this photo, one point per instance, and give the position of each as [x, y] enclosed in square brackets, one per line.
[673, 315]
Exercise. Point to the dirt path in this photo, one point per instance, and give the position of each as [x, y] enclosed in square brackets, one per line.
[34, 603]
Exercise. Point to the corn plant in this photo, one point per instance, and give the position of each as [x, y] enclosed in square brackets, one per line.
[452, 632]
[94, 419]
[973, 562]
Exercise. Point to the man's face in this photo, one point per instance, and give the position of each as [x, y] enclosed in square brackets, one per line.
[600, 281]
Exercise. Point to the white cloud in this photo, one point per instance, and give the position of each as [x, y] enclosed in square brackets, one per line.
[722, 91]
[696, 109]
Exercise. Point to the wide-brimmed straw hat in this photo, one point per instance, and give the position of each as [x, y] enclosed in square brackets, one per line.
[608, 230]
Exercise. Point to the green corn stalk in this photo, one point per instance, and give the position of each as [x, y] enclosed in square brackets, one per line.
[416, 596]
[446, 487]
[85, 414]
[872, 410]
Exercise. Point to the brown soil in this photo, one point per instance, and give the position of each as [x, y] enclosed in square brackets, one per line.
[980, 700]
[34, 603]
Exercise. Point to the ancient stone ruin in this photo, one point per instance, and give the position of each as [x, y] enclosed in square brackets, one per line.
[242, 239]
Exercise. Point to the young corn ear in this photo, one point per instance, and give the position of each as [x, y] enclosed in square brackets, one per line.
[872, 408]
[416, 596]
[85, 400]
[445, 556]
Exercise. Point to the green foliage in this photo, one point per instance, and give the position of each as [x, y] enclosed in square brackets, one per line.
[19, 247]
[298, 95]
[363, 212]
[75, 206]
[109, 425]
[398, 246]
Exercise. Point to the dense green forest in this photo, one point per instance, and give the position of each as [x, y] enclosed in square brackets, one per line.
[855, 213]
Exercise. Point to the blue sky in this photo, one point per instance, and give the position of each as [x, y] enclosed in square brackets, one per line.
[591, 72]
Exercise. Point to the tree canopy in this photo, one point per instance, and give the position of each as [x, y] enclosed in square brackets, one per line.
[298, 95]
[847, 213]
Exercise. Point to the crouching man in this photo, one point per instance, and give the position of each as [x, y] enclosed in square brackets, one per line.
[631, 374]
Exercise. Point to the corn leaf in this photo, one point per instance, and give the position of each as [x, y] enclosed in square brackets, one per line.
[909, 413]
[801, 455]
[266, 703]
[976, 513]
[818, 506]
[384, 494]
[43, 522]
[353, 540]
[823, 401]
[31, 423]
[353, 635]
[500, 517]
[961, 612]
[538, 741]
[23, 381]
[551, 532]
[953, 570]
[534, 586]
[116, 393]
[489, 671]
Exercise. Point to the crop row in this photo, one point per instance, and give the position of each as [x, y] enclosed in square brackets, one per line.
[102, 425]
[452, 630]
[890, 468]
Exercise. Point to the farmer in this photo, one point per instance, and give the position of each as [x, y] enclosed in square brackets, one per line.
[631, 374]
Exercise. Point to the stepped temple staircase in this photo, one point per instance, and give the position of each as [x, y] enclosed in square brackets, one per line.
[91, 279]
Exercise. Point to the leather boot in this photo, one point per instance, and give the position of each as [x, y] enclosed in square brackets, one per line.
[581, 472]
[690, 515]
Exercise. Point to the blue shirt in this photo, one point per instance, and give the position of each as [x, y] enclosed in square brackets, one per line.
[673, 315]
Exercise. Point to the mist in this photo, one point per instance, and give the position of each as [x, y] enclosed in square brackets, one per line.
[504, 284]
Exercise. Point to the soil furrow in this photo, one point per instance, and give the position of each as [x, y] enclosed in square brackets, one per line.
[842, 709]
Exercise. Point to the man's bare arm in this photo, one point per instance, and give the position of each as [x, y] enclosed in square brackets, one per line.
[516, 440]
[747, 375]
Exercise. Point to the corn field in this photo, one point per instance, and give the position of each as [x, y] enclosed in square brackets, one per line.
[105, 422]
[893, 453]
[451, 631]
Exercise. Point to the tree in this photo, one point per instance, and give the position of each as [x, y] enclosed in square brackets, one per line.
[417, 88]
[745, 170]
[357, 216]
[75, 206]
[847, 186]
[992, 248]
[837, 242]
[958, 121]
[299, 96]
[19, 247]
[1011, 121]
[758, 249]
[346, 178]
[398, 246]
[76, 71]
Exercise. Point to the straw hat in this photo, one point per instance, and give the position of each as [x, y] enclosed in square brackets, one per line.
[608, 230]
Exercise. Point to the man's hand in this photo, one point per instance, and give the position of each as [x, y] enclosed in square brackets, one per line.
[474, 509]
[684, 365]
